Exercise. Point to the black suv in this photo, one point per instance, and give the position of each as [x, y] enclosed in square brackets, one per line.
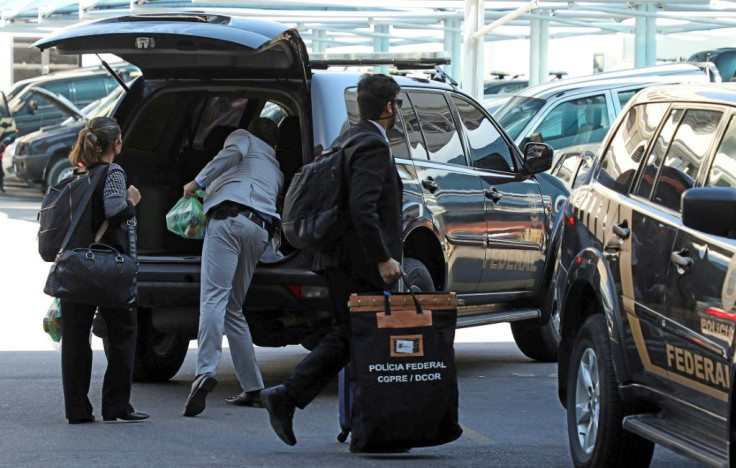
[646, 279]
[478, 215]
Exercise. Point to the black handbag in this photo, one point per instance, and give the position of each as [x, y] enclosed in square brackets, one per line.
[403, 375]
[97, 275]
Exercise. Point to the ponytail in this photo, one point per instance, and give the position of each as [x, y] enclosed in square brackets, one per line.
[93, 141]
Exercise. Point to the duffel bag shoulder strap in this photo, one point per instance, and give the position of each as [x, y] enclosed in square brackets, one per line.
[95, 179]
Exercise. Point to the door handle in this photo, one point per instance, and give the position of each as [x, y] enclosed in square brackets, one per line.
[494, 195]
[430, 185]
[622, 230]
[683, 260]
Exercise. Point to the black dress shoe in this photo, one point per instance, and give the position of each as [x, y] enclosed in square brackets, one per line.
[197, 399]
[252, 399]
[280, 409]
[128, 417]
[89, 419]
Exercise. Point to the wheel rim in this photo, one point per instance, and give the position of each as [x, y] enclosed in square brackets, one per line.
[587, 401]
[63, 175]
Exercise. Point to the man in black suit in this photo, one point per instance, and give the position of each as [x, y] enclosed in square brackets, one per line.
[371, 249]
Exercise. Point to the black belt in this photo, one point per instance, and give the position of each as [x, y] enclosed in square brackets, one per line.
[229, 209]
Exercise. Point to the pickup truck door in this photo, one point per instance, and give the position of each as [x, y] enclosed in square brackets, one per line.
[515, 235]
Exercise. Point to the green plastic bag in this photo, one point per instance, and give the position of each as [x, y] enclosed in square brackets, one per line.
[52, 321]
[187, 218]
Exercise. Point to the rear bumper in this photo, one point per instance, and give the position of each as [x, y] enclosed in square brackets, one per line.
[30, 167]
[177, 284]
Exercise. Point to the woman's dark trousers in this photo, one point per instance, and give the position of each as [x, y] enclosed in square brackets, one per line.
[76, 359]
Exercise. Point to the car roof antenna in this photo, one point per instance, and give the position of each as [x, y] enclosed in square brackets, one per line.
[441, 75]
[114, 75]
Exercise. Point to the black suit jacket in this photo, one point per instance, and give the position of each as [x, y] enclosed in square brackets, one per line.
[375, 198]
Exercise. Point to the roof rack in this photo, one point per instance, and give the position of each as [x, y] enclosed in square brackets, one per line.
[402, 61]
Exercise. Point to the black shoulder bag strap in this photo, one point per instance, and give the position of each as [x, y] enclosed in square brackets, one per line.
[94, 181]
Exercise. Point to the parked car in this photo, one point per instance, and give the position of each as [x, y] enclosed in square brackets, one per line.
[493, 104]
[572, 164]
[503, 86]
[31, 112]
[724, 59]
[478, 214]
[42, 156]
[7, 124]
[646, 281]
[580, 110]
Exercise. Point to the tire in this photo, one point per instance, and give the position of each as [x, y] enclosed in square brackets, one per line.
[538, 342]
[418, 276]
[595, 411]
[158, 355]
[57, 171]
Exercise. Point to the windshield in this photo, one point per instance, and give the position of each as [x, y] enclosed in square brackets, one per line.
[16, 88]
[99, 108]
[516, 114]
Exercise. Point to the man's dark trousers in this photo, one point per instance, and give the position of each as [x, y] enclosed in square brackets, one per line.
[332, 353]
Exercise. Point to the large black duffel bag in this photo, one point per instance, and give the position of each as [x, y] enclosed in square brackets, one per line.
[402, 370]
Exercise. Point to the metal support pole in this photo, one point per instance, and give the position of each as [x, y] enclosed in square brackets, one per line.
[318, 41]
[45, 62]
[453, 46]
[544, 49]
[534, 46]
[651, 38]
[640, 38]
[381, 44]
[473, 66]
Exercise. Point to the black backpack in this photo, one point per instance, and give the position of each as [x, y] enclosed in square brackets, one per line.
[315, 214]
[60, 204]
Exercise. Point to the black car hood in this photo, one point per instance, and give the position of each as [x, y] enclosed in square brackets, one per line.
[191, 45]
[53, 134]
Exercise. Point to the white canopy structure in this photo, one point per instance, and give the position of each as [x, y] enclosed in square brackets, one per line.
[460, 27]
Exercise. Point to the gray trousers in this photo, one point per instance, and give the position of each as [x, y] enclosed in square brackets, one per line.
[230, 254]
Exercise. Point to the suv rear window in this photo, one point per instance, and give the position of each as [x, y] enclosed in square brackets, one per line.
[218, 111]
[438, 127]
[628, 145]
[396, 136]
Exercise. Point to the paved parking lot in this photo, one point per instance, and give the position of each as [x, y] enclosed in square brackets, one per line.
[508, 404]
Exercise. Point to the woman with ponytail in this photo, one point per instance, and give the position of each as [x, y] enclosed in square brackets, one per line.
[98, 143]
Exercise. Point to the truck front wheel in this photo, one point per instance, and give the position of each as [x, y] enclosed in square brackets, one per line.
[418, 276]
[537, 339]
[539, 342]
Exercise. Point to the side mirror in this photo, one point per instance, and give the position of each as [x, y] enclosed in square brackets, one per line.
[711, 210]
[538, 157]
[32, 106]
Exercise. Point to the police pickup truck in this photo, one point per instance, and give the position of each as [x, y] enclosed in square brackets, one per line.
[479, 216]
[646, 281]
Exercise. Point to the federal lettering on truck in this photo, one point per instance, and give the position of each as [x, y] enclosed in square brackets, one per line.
[513, 260]
[697, 366]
